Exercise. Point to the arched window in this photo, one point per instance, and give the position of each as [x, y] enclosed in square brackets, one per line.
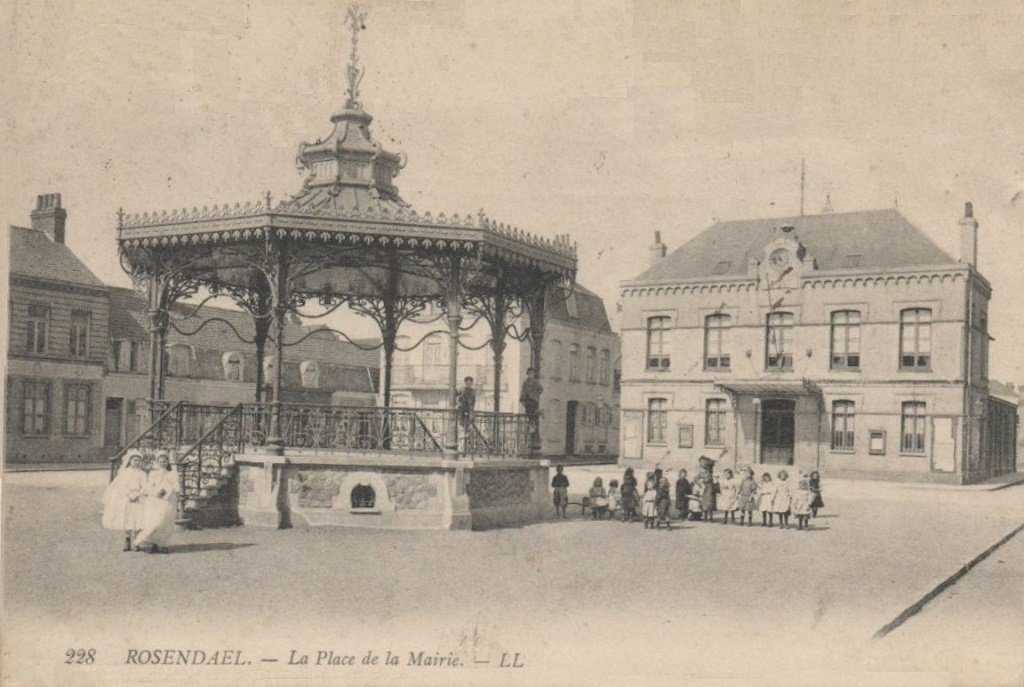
[233, 366]
[363, 496]
[309, 370]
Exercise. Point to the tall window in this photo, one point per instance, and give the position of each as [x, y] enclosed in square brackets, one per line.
[657, 343]
[779, 341]
[843, 425]
[912, 423]
[556, 359]
[76, 409]
[916, 339]
[36, 408]
[606, 366]
[714, 422]
[846, 340]
[38, 328]
[716, 342]
[574, 363]
[78, 334]
[657, 420]
[591, 365]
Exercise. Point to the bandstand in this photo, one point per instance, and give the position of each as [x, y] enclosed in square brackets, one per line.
[347, 240]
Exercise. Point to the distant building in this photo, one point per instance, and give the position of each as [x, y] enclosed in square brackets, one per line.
[78, 352]
[847, 342]
[580, 358]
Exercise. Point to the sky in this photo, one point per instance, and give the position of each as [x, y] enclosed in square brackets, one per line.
[607, 120]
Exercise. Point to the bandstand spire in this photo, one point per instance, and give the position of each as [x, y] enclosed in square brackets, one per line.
[355, 18]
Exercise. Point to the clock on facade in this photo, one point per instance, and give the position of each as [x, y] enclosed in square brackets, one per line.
[780, 258]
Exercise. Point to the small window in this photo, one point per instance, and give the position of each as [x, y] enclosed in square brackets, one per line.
[657, 420]
[591, 365]
[363, 497]
[843, 435]
[714, 422]
[78, 334]
[723, 267]
[76, 409]
[233, 367]
[912, 423]
[127, 356]
[179, 360]
[574, 363]
[605, 376]
[310, 372]
[657, 344]
[571, 306]
[35, 408]
[38, 328]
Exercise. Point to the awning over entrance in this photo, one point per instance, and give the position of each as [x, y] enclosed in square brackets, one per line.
[770, 387]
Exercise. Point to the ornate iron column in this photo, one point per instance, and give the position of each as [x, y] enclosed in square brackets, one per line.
[280, 299]
[157, 332]
[454, 310]
[535, 308]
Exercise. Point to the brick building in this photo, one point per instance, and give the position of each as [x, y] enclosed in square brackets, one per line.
[844, 342]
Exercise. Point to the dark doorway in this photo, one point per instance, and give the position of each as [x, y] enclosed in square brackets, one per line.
[570, 427]
[112, 421]
[777, 431]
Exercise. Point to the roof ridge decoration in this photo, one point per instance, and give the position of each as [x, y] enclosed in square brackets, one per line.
[355, 17]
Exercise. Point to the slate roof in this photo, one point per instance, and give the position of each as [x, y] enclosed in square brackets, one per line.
[40, 258]
[590, 311]
[882, 238]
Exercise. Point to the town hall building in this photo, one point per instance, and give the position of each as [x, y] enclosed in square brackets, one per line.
[848, 343]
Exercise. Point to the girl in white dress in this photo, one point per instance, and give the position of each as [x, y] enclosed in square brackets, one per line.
[782, 500]
[727, 500]
[160, 509]
[123, 499]
[765, 494]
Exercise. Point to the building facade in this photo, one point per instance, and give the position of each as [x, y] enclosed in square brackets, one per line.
[57, 345]
[580, 404]
[847, 343]
[77, 379]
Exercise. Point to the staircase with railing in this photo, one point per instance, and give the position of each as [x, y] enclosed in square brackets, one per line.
[204, 440]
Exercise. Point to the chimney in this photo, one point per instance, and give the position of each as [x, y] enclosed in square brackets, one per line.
[969, 237]
[657, 249]
[49, 217]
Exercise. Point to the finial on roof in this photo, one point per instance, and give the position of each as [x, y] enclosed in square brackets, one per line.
[896, 199]
[828, 204]
[120, 217]
[356, 19]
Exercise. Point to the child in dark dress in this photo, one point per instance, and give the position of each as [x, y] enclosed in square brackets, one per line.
[816, 502]
[629, 495]
[560, 492]
[663, 503]
[683, 491]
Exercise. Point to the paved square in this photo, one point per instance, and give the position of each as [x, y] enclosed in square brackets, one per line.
[580, 601]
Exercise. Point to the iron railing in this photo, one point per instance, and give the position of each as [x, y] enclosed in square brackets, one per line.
[207, 465]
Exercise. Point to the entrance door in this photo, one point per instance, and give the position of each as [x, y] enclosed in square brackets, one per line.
[777, 431]
[112, 423]
[570, 427]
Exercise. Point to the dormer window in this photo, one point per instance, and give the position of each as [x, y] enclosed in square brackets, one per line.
[233, 366]
[310, 373]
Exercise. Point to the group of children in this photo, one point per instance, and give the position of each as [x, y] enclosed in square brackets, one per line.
[701, 498]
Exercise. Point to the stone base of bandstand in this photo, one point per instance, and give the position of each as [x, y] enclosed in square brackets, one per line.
[316, 489]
